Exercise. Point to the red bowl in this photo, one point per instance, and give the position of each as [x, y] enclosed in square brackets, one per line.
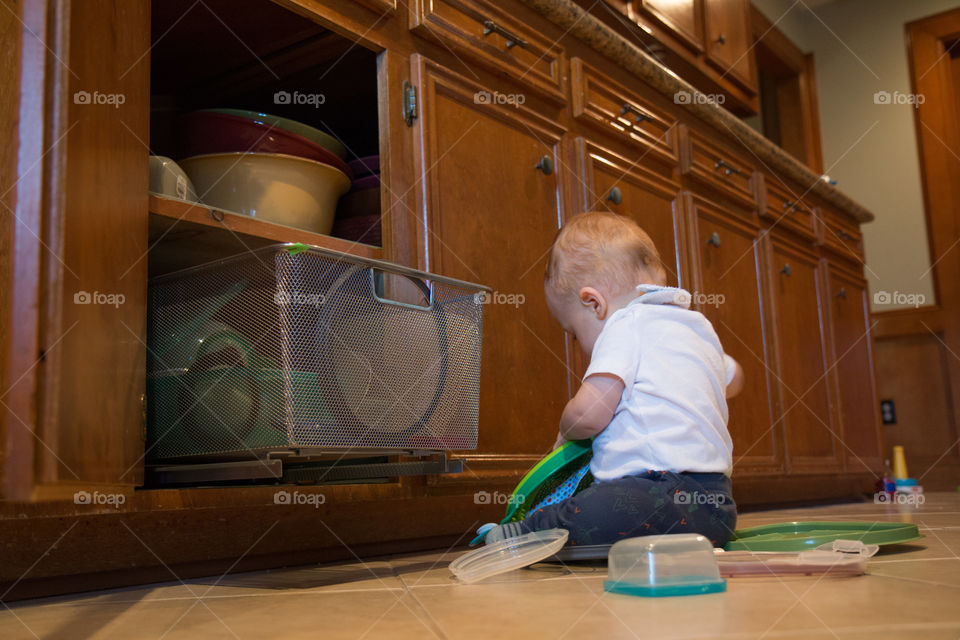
[204, 132]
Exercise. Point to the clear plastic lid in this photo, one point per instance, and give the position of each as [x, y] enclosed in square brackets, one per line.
[508, 554]
[668, 565]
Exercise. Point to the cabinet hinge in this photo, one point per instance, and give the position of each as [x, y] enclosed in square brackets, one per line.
[409, 103]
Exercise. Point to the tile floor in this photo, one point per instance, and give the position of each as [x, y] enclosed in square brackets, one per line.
[911, 591]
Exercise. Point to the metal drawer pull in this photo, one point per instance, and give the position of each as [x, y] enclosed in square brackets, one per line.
[714, 239]
[842, 294]
[546, 165]
[640, 115]
[489, 26]
[721, 39]
[615, 195]
[843, 235]
[728, 168]
[792, 206]
[786, 269]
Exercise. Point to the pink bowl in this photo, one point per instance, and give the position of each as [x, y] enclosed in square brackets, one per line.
[204, 132]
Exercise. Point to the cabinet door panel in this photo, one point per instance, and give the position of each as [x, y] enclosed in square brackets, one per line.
[799, 325]
[612, 182]
[728, 293]
[728, 38]
[681, 16]
[490, 216]
[853, 354]
[85, 365]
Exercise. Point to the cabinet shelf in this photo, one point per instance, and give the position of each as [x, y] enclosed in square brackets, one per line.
[184, 234]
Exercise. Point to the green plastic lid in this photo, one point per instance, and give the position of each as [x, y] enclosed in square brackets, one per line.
[800, 536]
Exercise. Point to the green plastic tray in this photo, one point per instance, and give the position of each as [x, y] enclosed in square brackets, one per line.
[801, 536]
[553, 468]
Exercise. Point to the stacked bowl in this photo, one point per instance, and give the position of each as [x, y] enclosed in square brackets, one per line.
[265, 166]
[358, 217]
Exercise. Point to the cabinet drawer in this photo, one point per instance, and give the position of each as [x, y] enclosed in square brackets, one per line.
[787, 210]
[603, 102]
[841, 234]
[495, 39]
[716, 166]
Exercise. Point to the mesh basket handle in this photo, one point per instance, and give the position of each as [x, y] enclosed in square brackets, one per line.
[378, 289]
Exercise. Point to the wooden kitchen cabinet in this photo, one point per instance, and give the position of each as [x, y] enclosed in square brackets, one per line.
[853, 370]
[683, 17]
[491, 206]
[472, 188]
[729, 290]
[727, 39]
[74, 410]
[801, 343]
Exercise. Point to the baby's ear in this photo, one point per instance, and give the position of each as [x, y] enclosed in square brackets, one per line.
[593, 300]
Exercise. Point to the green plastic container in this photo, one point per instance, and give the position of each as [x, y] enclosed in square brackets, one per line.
[802, 536]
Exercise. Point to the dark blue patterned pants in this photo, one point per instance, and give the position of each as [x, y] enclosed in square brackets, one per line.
[653, 503]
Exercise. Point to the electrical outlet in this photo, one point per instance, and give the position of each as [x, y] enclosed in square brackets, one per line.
[888, 412]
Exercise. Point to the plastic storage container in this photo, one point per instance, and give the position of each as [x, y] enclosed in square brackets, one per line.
[669, 565]
[296, 347]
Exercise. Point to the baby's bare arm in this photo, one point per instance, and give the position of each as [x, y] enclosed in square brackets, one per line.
[591, 409]
[736, 385]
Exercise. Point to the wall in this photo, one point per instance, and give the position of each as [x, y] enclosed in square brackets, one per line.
[870, 149]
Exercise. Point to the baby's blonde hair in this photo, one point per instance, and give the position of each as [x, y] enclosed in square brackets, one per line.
[602, 249]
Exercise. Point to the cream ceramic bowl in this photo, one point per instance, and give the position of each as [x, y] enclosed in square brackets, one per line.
[278, 188]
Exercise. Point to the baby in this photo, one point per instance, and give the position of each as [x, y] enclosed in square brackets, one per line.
[653, 397]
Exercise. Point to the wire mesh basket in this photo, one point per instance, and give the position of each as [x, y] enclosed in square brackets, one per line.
[301, 347]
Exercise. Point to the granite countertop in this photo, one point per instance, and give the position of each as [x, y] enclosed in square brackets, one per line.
[575, 20]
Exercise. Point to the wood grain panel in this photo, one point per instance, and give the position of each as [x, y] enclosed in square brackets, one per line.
[490, 217]
[728, 274]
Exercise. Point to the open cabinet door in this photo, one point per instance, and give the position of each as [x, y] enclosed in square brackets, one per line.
[74, 234]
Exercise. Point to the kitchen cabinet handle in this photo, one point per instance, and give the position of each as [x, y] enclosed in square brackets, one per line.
[714, 239]
[216, 215]
[721, 39]
[842, 294]
[615, 195]
[843, 235]
[489, 26]
[728, 168]
[786, 269]
[791, 206]
[546, 165]
[640, 115]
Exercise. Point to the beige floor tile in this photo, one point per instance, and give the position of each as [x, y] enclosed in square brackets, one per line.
[375, 614]
[911, 592]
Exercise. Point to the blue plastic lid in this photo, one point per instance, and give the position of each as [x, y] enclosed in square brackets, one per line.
[906, 482]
